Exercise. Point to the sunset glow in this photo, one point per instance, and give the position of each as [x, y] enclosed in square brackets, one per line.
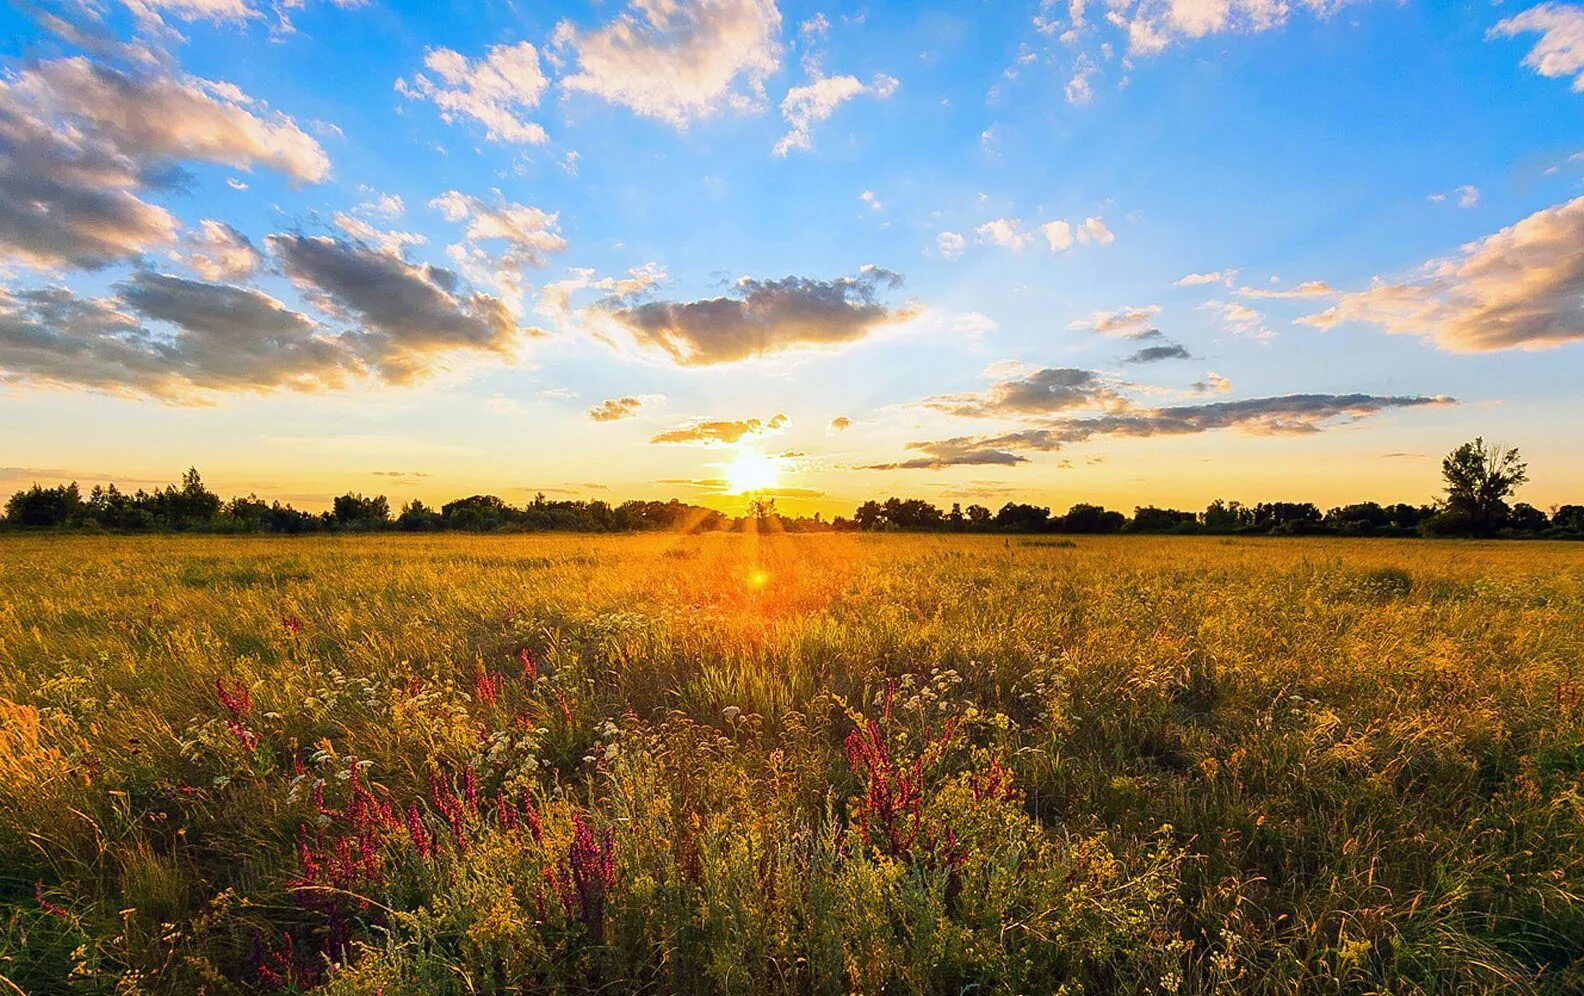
[1141, 252]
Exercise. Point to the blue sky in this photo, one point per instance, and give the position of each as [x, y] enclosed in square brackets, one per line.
[458, 247]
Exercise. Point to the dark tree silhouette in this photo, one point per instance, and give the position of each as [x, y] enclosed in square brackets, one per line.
[1479, 480]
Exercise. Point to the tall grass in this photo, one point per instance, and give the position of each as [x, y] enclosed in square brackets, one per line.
[813, 764]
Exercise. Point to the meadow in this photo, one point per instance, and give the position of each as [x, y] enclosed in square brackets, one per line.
[790, 764]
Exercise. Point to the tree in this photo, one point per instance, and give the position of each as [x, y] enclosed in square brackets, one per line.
[1569, 518]
[1527, 519]
[1479, 480]
[1015, 517]
[1085, 518]
[38, 506]
[358, 512]
[762, 509]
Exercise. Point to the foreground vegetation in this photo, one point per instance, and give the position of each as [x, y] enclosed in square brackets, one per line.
[808, 764]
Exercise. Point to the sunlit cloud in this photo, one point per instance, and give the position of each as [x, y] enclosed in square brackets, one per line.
[719, 432]
[498, 91]
[1293, 414]
[85, 142]
[616, 409]
[1521, 288]
[765, 317]
[1131, 322]
[804, 106]
[677, 62]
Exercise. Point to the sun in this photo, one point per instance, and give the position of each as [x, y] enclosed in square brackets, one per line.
[752, 471]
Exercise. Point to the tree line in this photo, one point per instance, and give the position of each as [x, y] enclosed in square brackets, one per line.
[1478, 482]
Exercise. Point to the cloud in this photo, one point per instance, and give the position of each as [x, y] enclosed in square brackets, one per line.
[1130, 322]
[1200, 279]
[1213, 383]
[1059, 236]
[804, 106]
[1038, 392]
[1155, 354]
[409, 315]
[615, 409]
[1293, 414]
[1521, 288]
[1560, 50]
[950, 244]
[1154, 25]
[1095, 230]
[530, 230]
[869, 198]
[218, 252]
[764, 317]
[391, 242]
[1005, 232]
[961, 451]
[224, 338]
[497, 91]
[677, 62]
[840, 423]
[83, 141]
[719, 432]
[1241, 319]
[1309, 288]
[149, 12]
[236, 337]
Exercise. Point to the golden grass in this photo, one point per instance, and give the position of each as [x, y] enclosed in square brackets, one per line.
[1250, 765]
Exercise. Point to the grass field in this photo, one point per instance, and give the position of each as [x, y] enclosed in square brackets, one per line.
[832, 763]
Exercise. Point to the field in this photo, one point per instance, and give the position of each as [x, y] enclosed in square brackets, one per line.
[819, 764]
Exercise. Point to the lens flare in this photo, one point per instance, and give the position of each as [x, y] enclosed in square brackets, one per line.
[752, 471]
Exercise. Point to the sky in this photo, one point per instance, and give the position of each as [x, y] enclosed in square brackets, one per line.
[1122, 251]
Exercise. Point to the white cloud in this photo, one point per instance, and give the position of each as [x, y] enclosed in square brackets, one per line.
[1560, 50]
[869, 198]
[1309, 288]
[1241, 319]
[1131, 322]
[1521, 288]
[1154, 25]
[1468, 196]
[804, 106]
[219, 252]
[84, 142]
[950, 244]
[1200, 279]
[1095, 230]
[496, 91]
[1058, 235]
[391, 242]
[1005, 232]
[524, 227]
[676, 61]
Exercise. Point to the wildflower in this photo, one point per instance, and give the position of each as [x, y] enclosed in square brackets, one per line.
[47, 906]
[730, 713]
[487, 685]
[238, 702]
[586, 875]
[530, 669]
[292, 624]
[532, 818]
[422, 840]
